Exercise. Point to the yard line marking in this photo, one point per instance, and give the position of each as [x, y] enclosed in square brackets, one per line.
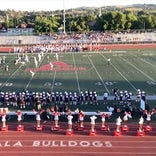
[143, 60]
[121, 74]
[11, 76]
[52, 86]
[138, 69]
[3, 65]
[34, 75]
[147, 62]
[98, 74]
[77, 78]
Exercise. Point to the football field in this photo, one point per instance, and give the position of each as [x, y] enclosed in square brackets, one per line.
[75, 72]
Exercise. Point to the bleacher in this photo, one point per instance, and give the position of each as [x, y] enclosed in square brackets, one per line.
[18, 38]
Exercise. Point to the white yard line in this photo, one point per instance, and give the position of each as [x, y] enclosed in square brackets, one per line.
[77, 78]
[148, 63]
[3, 65]
[34, 74]
[10, 77]
[28, 83]
[144, 60]
[52, 86]
[121, 74]
[98, 74]
[139, 70]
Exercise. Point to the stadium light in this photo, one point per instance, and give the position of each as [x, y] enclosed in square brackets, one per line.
[64, 18]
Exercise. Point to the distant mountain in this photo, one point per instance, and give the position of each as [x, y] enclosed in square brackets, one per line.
[151, 7]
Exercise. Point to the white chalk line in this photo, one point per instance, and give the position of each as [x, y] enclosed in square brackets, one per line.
[34, 75]
[78, 152]
[77, 78]
[143, 73]
[121, 74]
[98, 75]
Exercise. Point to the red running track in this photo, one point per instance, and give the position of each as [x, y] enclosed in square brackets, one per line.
[31, 142]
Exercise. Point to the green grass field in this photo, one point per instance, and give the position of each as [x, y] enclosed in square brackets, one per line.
[75, 72]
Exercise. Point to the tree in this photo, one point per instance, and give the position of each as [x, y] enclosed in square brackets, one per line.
[130, 19]
[46, 25]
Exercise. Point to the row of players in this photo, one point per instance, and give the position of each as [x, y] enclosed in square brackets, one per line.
[126, 96]
[59, 96]
[12, 98]
[26, 98]
[80, 115]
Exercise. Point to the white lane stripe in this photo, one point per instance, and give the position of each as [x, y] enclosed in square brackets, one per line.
[138, 69]
[78, 140]
[73, 152]
[77, 78]
[98, 75]
[121, 74]
[65, 145]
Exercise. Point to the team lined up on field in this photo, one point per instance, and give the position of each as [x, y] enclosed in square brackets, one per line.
[26, 98]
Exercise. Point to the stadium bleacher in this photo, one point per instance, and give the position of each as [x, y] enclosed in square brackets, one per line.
[95, 37]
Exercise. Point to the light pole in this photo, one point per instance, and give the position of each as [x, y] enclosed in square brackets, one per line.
[144, 24]
[64, 18]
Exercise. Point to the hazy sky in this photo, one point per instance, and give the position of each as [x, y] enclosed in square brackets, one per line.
[38, 5]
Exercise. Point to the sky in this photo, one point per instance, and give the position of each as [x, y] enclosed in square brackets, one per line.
[51, 5]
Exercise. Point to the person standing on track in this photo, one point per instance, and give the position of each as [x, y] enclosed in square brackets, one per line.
[148, 116]
[141, 122]
[118, 124]
[56, 118]
[93, 118]
[81, 119]
[126, 116]
[3, 115]
[38, 118]
[69, 117]
[19, 117]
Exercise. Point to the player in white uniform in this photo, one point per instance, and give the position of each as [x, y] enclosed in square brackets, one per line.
[51, 66]
[57, 57]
